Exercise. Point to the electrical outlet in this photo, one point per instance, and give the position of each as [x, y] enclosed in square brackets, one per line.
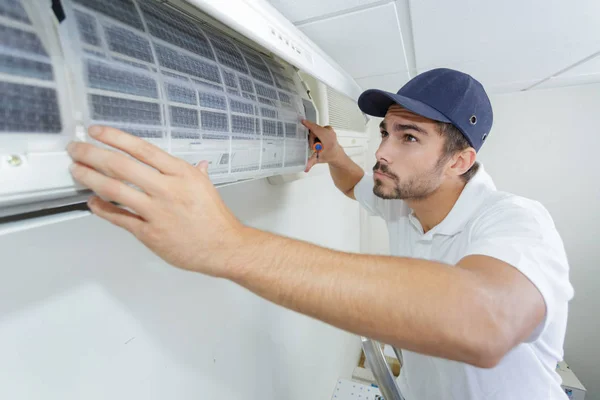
[350, 390]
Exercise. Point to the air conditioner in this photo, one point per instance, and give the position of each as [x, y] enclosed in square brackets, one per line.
[226, 81]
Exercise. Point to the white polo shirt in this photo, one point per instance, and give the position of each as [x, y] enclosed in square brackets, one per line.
[513, 229]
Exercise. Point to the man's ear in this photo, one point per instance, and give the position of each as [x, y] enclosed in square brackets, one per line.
[463, 161]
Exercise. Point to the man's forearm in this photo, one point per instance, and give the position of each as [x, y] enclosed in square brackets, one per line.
[345, 173]
[416, 305]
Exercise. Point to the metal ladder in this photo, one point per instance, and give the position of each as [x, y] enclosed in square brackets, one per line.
[381, 370]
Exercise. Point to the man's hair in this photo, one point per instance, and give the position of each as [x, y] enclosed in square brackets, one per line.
[455, 142]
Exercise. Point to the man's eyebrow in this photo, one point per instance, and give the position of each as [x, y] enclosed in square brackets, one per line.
[409, 127]
[382, 125]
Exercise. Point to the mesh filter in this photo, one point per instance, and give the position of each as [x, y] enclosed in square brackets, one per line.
[105, 108]
[266, 101]
[176, 76]
[174, 28]
[27, 108]
[102, 76]
[128, 43]
[230, 80]
[170, 58]
[184, 117]
[227, 54]
[24, 67]
[131, 63]
[266, 91]
[268, 112]
[213, 121]
[95, 53]
[144, 133]
[180, 94]
[12, 9]
[210, 100]
[86, 24]
[258, 69]
[290, 129]
[241, 107]
[207, 84]
[185, 135]
[241, 124]
[32, 107]
[285, 98]
[21, 41]
[269, 128]
[121, 10]
[233, 91]
[282, 82]
[246, 85]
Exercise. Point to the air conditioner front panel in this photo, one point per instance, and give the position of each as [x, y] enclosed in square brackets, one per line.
[146, 68]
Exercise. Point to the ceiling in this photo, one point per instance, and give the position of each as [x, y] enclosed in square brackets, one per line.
[508, 46]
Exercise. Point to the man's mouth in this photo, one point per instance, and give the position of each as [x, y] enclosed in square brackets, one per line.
[382, 174]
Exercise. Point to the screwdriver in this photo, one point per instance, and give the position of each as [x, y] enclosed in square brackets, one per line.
[317, 146]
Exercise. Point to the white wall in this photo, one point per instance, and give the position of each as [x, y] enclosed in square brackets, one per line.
[545, 145]
[86, 312]
[375, 228]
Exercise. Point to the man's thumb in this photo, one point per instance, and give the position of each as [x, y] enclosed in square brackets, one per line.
[311, 163]
[203, 166]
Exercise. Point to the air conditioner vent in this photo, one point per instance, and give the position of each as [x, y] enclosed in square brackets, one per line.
[344, 113]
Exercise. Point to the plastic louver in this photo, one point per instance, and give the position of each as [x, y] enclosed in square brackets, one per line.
[186, 87]
[344, 113]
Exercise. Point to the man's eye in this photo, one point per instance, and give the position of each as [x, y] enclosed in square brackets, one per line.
[384, 134]
[410, 138]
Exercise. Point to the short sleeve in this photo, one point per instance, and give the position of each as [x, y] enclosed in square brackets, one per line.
[386, 209]
[523, 235]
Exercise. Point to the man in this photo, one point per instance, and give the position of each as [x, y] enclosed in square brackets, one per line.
[477, 287]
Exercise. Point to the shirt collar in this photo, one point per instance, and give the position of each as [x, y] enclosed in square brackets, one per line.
[473, 194]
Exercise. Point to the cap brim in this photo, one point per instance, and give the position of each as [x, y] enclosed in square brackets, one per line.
[376, 102]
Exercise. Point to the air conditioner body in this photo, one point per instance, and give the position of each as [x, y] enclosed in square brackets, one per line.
[222, 81]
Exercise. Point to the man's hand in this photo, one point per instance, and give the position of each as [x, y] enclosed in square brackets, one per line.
[344, 172]
[331, 148]
[178, 213]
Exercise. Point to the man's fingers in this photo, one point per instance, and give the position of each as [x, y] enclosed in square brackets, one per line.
[310, 125]
[115, 215]
[203, 167]
[311, 162]
[116, 165]
[112, 189]
[139, 149]
[311, 139]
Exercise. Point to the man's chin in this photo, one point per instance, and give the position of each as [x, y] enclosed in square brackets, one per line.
[385, 193]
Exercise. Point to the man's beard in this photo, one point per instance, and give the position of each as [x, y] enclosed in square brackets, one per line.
[416, 188]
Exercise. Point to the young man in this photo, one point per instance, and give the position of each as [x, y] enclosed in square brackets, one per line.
[477, 287]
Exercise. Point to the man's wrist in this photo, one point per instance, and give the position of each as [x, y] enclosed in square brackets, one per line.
[339, 157]
[242, 248]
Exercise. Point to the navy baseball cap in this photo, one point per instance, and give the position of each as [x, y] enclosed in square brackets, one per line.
[440, 94]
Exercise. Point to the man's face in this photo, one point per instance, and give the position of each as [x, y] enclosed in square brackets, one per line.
[409, 164]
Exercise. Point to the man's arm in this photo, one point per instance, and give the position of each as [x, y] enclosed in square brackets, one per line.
[345, 173]
[474, 312]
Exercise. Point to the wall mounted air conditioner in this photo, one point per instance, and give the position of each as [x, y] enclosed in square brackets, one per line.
[223, 81]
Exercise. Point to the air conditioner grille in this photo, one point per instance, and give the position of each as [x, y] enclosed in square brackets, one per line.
[344, 113]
